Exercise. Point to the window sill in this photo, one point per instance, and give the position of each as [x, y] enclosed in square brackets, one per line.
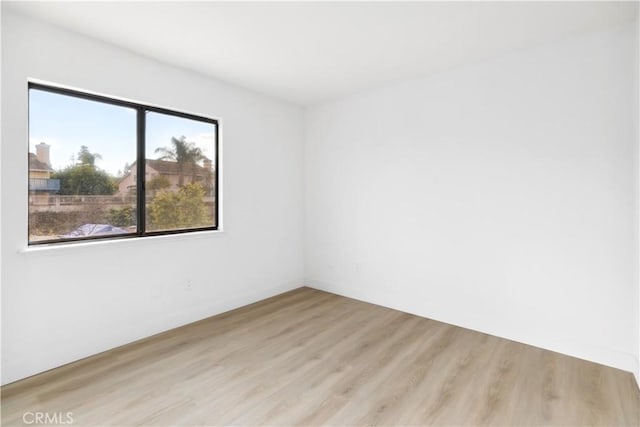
[80, 245]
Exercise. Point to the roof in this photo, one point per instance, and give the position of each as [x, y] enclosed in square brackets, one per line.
[167, 167]
[35, 164]
[164, 166]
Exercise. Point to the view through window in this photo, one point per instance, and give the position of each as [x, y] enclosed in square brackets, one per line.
[104, 168]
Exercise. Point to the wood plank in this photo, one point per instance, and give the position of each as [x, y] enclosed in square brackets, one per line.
[308, 358]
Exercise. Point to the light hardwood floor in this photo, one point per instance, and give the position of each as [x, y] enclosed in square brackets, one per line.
[312, 358]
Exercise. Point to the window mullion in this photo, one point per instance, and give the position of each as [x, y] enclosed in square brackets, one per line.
[141, 170]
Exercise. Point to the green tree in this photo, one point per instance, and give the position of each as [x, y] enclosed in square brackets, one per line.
[84, 178]
[86, 157]
[123, 217]
[158, 183]
[184, 208]
[185, 153]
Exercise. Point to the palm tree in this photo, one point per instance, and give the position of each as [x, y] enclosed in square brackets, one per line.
[184, 153]
[86, 157]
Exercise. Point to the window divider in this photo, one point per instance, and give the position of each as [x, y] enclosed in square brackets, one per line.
[141, 166]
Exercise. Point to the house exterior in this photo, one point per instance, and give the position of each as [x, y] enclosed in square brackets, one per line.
[40, 170]
[171, 171]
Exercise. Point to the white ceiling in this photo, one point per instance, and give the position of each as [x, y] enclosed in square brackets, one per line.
[308, 52]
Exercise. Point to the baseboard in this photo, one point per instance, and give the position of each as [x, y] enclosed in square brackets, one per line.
[607, 357]
[29, 366]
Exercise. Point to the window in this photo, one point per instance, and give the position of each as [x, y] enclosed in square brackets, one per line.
[105, 168]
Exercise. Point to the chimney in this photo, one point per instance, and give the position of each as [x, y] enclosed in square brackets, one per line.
[42, 153]
[208, 164]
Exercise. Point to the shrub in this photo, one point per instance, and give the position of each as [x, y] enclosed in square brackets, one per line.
[182, 209]
[50, 223]
[123, 217]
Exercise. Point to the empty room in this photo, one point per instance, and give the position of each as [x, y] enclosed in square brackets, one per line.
[320, 213]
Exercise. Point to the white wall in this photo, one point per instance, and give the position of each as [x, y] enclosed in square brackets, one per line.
[637, 157]
[63, 304]
[499, 197]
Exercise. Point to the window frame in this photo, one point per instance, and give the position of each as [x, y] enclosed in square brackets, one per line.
[141, 110]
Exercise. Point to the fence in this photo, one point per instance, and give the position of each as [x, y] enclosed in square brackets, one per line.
[58, 203]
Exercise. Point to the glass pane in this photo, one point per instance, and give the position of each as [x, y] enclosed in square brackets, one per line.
[80, 158]
[180, 173]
